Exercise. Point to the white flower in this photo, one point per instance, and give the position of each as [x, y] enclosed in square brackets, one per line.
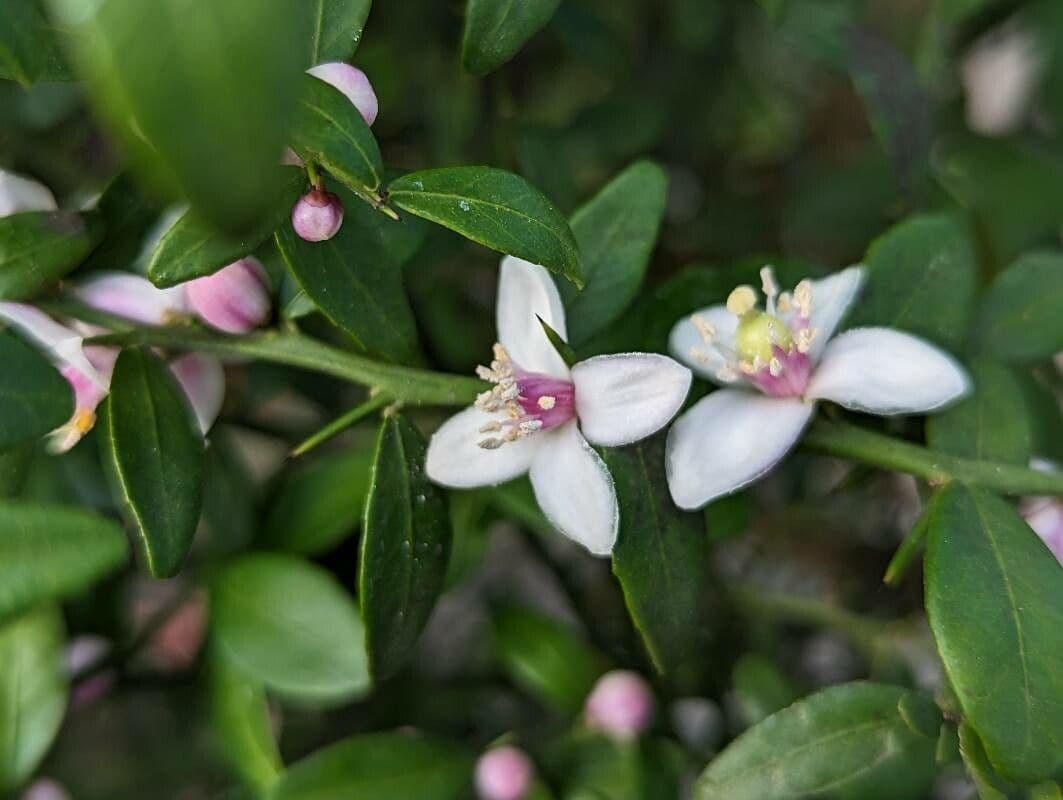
[531, 421]
[776, 365]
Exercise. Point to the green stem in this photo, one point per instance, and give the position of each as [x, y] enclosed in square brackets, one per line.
[340, 424]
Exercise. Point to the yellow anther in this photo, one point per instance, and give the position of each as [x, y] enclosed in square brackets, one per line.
[767, 282]
[742, 300]
[83, 421]
[706, 330]
[546, 402]
[803, 298]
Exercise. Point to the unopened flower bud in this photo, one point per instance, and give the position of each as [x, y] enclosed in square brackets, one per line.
[504, 773]
[317, 216]
[203, 379]
[352, 82]
[235, 299]
[19, 194]
[620, 705]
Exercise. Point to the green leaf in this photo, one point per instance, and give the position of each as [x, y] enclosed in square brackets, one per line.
[49, 552]
[380, 766]
[241, 720]
[191, 248]
[921, 279]
[616, 232]
[289, 624]
[563, 349]
[994, 596]
[760, 688]
[495, 30]
[494, 208]
[331, 131]
[34, 398]
[586, 765]
[318, 504]
[405, 547]
[355, 279]
[32, 692]
[157, 453]
[37, 248]
[1019, 318]
[202, 93]
[338, 28]
[848, 741]
[990, 425]
[546, 659]
[30, 49]
[990, 786]
[660, 559]
[127, 216]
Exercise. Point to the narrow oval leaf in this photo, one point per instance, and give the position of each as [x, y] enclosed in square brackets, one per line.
[494, 208]
[330, 130]
[157, 453]
[241, 719]
[34, 398]
[849, 741]
[32, 692]
[30, 49]
[37, 248]
[405, 547]
[355, 280]
[921, 279]
[616, 232]
[994, 596]
[495, 30]
[380, 766]
[311, 650]
[338, 28]
[49, 552]
[1019, 318]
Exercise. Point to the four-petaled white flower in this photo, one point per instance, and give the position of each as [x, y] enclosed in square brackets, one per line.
[776, 364]
[540, 415]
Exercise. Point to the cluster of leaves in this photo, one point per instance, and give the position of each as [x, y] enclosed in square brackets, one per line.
[794, 131]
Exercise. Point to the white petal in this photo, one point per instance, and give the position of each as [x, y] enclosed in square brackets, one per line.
[623, 398]
[884, 371]
[575, 490]
[727, 441]
[526, 291]
[455, 458]
[19, 194]
[831, 298]
[62, 345]
[132, 297]
[686, 344]
[203, 380]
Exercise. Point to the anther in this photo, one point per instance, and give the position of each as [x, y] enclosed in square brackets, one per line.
[490, 444]
[741, 300]
[706, 330]
[546, 402]
[775, 367]
[491, 427]
[803, 298]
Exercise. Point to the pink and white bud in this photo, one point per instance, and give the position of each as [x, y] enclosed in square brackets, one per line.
[19, 194]
[504, 773]
[133, 297]
[317, 216]
[235, 299]
[203, 380]
[45, 789]
[82, 653]
[621, 705]
[353, 83]
[1045, 516]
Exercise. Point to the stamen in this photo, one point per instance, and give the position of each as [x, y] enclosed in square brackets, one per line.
[546, 402]
[83, 421]
[741, 300]
[769, 287]
[706, 330]
[490, 444]
[727, 372]
[785, 303]
[491, 427]
[804, 339]
[775, 367]
[803, 298]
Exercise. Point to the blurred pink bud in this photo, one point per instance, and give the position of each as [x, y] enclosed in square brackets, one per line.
[1045, 516]
[235, 299]
[45, 789]
[203, 380]
[620, 705]
[317, 216]
[82, 653]
[19, 194]
[504, 773]
[352, 82]
[176, 644]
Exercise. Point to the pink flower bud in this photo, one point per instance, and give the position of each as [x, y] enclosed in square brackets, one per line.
[203, 379]
[1045, 516]
[504, 773]
[45, 789]
[235, 299]
[317, 216]
[352, 82]
[620, 705]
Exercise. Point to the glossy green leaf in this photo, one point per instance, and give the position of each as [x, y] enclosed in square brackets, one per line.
[240, 714]
[1019, 318]
[405, 547]
[14, 466]
[30, 48]
[37, 248]
[921, 279]
[318, 503]
[330, 130]
[994, 596]
[849, 741]
[201, 92]
[34, 398]
[494, 208]
[495, 30]
[157, 453]
[990, 785]
[760, 688]
[990, 425]
[191, 248]
[616, 232]
[380, 766]
[310, 650]
[50, 552]
[32, 692]
[661, 560]
[338, 28]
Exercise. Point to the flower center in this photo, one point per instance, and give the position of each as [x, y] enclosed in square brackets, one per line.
[771, 347]
[527, 402]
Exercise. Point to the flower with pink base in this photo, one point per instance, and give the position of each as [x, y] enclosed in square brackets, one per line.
[235, 299]
[621, 705]
[504, 773]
